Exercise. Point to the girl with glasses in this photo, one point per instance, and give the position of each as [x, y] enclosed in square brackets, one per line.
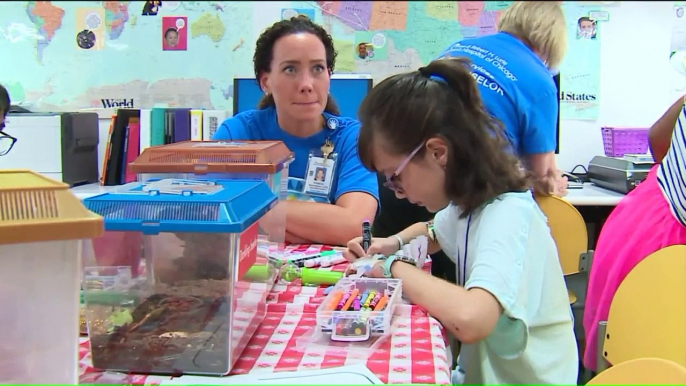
[430, 134]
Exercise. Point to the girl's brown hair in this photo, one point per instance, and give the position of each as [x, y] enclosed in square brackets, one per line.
[443, 100]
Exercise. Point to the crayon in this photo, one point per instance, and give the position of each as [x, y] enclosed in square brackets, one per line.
[375, 301]
[350, 300]
[369, 299]
[381, 304]
[335, 299]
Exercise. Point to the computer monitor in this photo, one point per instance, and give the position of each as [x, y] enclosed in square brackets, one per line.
[557, 84]
[347, 89]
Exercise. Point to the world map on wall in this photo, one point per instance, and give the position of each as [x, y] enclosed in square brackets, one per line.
[66, 55]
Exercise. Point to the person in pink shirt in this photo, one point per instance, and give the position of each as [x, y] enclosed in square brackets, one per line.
[656, 210]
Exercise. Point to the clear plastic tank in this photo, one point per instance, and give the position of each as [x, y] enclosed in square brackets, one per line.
[42, 228]
[201, 290]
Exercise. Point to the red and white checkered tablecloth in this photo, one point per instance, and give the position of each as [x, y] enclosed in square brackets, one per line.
[415, 352]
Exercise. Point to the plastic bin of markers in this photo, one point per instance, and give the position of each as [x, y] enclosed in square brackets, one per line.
[205, 286]
[224, 160]
[372, 317]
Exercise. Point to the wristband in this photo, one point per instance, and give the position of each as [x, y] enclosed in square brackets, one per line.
[389, 263]
[430, 231]
[401, 243]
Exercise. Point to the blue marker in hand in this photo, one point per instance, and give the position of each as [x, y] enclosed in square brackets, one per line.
[366, 235]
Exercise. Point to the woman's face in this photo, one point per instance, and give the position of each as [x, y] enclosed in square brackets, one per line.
[299, 79]
[422, 180]
[172, 38]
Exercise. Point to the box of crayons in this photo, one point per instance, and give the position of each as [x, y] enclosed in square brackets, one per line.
[357, 308]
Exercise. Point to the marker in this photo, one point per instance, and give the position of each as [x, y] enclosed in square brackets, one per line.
[366, 235]
[335, 260]
[301, 261]
[372, 296]
[335, 299]
[375, 301]
[349, 302]
[343, 301]
[356, 304]
[325, 260]
[381, 304]
[365, 295]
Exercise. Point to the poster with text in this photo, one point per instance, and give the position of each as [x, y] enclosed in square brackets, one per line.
[580, 70]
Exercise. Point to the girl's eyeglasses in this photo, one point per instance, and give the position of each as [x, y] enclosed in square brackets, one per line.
[393, 180]
[6, 141]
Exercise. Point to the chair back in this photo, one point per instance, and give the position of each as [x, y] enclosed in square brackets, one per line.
[568, 229]
[647, 316]
[642, 371]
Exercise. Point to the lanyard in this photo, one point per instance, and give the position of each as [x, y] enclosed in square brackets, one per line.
[463, 270]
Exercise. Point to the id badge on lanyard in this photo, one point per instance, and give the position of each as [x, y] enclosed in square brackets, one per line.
[321, 166]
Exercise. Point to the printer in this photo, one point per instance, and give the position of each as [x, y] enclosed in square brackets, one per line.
[62, 146]
[620, 174]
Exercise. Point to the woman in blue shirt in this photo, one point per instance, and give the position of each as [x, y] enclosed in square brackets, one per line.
[514, 69]
[293, 63]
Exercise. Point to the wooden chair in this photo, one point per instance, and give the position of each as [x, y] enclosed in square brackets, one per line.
[642, 371]
[570, 234]
[647, 316]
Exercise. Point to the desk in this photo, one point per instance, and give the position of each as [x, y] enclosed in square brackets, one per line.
[595, 204]
[91, 190]
[592, 195]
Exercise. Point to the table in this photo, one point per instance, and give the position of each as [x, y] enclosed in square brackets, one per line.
[595, 204]
[415, 352]
[89, 190]
[592, 195]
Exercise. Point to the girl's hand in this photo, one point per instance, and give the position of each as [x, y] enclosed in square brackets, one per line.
[383, 246]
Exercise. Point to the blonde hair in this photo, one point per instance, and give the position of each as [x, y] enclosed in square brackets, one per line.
[541, 25]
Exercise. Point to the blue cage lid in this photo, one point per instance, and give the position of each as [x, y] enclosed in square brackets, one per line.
[175, 205]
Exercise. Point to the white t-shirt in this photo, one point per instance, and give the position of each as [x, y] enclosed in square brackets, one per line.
[511, 254]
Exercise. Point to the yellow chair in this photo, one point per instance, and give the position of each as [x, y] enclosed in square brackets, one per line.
[647, 316]
[570, 234]
[642, 371]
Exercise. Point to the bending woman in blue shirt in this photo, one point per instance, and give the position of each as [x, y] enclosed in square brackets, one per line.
[293, 62]
[514, 69]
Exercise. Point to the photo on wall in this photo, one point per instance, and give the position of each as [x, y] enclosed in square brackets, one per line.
[174, 33]
[370, 45]
[90, 28]
[587, 28]
[151, 8]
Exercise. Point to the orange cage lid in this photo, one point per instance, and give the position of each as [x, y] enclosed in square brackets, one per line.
[214, 157]
[35, 208]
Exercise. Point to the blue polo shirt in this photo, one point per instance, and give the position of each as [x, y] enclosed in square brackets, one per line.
[350, 174]
[516, 87]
